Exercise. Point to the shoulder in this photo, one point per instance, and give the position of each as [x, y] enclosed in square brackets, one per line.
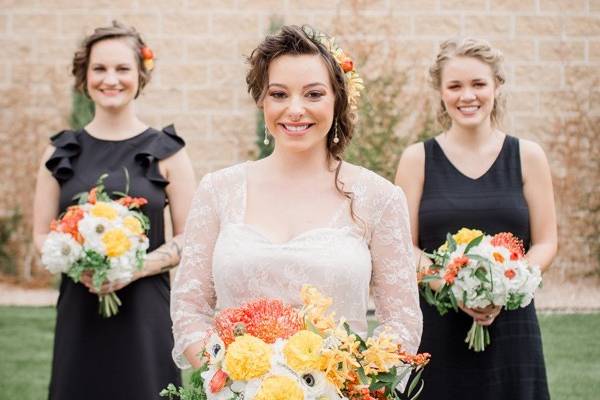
[225, 177]
[531, 151]
[373, 190]
[534, 163]
[414, 153]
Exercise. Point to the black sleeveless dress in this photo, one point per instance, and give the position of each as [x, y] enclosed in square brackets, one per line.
[127, 356]
[512, 366]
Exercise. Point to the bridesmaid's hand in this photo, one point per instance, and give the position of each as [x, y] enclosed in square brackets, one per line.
[483, 316]
[106, 288]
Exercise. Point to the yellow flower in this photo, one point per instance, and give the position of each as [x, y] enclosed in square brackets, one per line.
[279, 388]
[116, 242]
[133, 224]
[338, 365]
[104, 210]
[315, 306]
[247, 357]
[465, 235]
[381, 354]
[303, 351]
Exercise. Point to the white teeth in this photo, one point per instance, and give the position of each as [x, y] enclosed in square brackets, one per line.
[468, 109]
[295, 128]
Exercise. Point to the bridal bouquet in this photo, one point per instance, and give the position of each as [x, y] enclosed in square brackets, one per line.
[479, 270]
[265, 350]
[103, 237]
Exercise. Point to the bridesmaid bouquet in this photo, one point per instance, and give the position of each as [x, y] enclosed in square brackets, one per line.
[103, 237]
[479, 270]
[265, 350]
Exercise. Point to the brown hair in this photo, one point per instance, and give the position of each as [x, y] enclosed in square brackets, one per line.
[304, 40]
[475, 48]
[117, 30]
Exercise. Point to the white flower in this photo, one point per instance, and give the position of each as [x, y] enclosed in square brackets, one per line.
[223, 394]
[91, 229]
[121, 268]
[60, 251]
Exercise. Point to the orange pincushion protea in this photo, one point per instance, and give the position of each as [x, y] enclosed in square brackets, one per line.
[265, 319]
[511, 242]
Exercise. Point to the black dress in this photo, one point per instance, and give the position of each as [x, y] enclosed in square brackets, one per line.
[127, 356]
[512, 366]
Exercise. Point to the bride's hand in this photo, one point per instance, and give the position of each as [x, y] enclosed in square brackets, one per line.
[483, 316]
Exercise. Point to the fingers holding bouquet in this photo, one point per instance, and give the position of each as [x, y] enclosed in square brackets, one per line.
[480, 274]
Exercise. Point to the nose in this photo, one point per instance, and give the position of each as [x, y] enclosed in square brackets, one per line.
[296, 108]
[468, 95]
[111, 78]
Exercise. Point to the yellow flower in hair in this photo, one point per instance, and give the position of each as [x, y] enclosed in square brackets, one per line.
[104, 210]
[133, 224]
[247, 357]
[303, 351]
[277, 387]
[116, 242]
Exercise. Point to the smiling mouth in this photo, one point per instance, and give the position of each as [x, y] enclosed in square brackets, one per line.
[296, 128]
[468, 109]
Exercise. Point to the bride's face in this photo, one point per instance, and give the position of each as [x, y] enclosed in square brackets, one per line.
[299, 102]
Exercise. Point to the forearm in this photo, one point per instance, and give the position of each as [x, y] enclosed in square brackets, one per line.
[163, 258]
[541, 254]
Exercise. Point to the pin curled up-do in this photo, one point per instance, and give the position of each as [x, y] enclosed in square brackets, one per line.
[303, 40]
[117, 30]
[474, 48]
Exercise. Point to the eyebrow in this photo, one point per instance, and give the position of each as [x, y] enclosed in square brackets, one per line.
[304, 87]
[472, 80]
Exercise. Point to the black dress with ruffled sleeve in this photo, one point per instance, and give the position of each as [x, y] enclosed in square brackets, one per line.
[127, 356]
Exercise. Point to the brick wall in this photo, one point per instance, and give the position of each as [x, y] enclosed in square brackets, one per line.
[199, 78]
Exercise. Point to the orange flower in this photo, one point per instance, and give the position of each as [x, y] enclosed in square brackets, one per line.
[132, 202]
[454, 267]
[92, 196]
[511, 242]
[416, 360]
[218, 381]
[510, 273]
[68, 223]
[265, 319]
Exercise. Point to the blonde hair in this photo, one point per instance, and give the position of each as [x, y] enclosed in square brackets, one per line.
[474, 48]
[117, 30]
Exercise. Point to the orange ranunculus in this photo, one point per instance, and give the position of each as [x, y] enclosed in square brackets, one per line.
[92, 196]
[218, 381]
[132, 202]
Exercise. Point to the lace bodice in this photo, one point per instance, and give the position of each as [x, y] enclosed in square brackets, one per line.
[226, 262]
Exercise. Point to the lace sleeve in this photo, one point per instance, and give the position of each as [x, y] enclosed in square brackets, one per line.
[193, 296]
[394, 281]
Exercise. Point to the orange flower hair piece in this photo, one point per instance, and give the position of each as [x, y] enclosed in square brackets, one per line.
[511, 242]
[148, 57]
[265, 319]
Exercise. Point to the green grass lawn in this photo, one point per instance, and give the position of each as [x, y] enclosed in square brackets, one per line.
[570, 346]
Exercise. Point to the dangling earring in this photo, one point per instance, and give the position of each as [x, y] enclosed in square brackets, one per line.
[266, 141]
[336, 139]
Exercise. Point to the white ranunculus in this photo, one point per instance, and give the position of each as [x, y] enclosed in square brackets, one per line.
[60, 251]
[121, 268]
[91, 229]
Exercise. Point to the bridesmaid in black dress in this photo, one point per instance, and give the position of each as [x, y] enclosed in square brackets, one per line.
[128, 355]
[473, 175]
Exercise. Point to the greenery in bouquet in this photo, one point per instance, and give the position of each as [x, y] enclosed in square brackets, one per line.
[477, 270]
[99, 236]
[267, 350]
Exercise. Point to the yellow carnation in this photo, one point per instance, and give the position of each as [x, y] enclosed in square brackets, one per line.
[133, 224]
[247, 357]
[116, 242]
[104, 210]
[465, 235]
[279, 388]
[303, 351]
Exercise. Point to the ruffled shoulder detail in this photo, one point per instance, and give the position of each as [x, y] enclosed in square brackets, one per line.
[163, 144]
[67, 148]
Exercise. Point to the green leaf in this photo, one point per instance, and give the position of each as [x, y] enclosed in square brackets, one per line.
[473, 243]
[414, 381]
[451, 243]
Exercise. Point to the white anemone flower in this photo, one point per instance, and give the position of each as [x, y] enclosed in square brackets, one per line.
[215, 349]
[60, 251]
[91, 229]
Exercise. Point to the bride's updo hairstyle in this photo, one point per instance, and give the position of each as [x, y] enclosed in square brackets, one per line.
[303, 40]
[474, 48]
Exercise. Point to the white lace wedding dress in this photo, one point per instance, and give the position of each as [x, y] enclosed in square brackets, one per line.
[226, 262]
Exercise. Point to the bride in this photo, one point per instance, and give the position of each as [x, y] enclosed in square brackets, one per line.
[301, 215]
